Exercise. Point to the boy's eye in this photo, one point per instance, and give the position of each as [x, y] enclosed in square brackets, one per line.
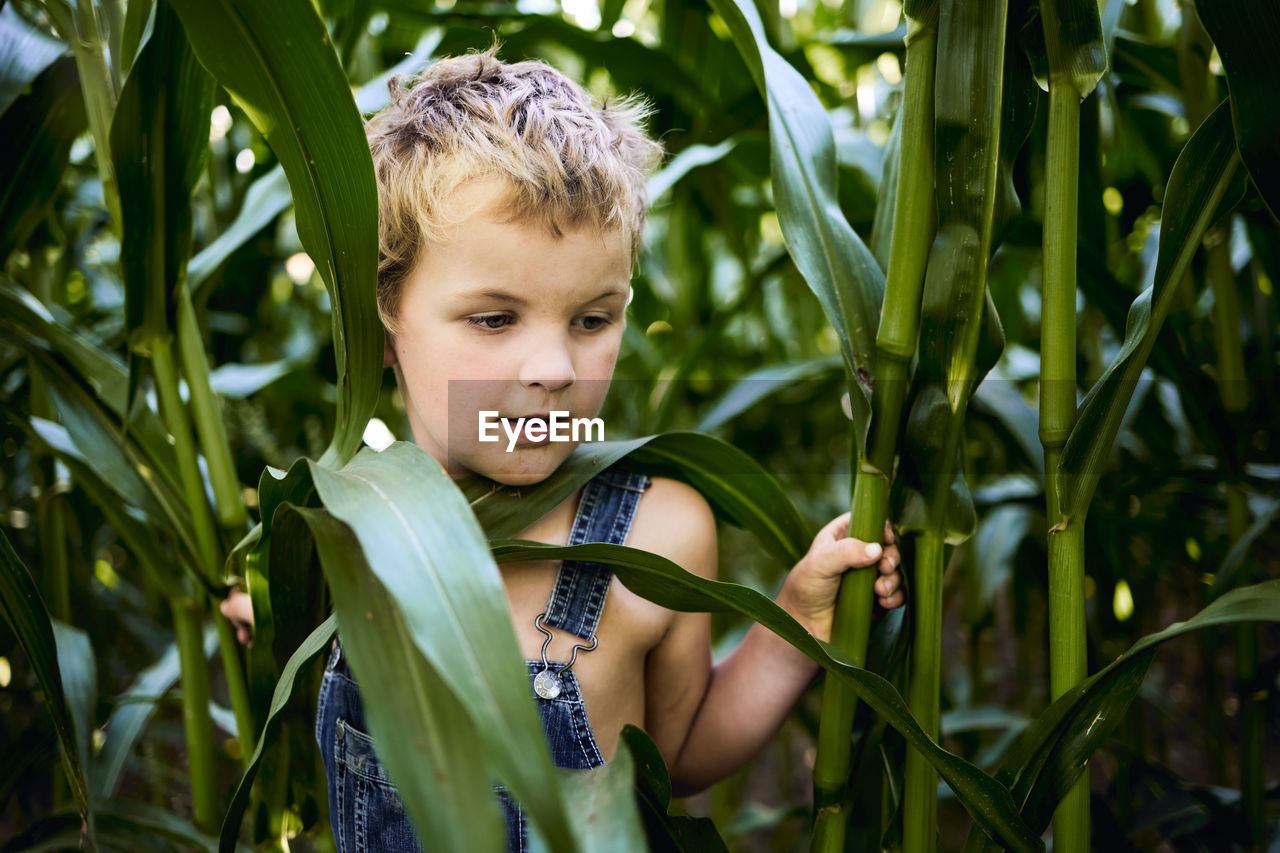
[494, 322]
[490, 321]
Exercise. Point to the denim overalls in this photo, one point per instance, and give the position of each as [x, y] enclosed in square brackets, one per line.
[364, 808]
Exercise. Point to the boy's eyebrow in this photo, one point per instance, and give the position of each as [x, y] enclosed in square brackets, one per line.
[506, 296]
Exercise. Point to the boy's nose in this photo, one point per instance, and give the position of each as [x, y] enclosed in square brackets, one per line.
[549, 364]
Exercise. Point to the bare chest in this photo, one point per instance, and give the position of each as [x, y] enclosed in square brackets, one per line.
[611, 676]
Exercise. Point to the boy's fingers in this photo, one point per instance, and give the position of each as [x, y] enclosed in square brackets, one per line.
[836, 528]
[887, 584]
[892, 601]
[857, 554]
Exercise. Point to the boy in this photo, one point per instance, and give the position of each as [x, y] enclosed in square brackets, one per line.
[510, 212]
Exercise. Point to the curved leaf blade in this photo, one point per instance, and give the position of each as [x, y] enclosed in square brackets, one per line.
[1198, 187]
[28, 617]
[1246, 33]
[127, 824]
[738, 488]
[278, 63]
[134, 710]
[418, 534]
[1053, 751]
[159, 142]
[36, 133]
[424, 731]
[663, 582]
[25, 52]
[837, 265]
[298, 663]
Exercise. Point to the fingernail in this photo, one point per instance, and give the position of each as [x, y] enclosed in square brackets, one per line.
[873, 550]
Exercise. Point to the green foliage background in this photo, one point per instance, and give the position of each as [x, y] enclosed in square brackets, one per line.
[725, 336]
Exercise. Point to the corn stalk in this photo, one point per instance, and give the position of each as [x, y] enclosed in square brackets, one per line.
[913, 223]
[959, 337]
[1077, 60]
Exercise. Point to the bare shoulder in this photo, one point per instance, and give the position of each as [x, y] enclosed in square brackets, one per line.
[675, 521]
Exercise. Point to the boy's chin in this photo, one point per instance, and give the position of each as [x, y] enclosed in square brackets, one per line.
[524, 467]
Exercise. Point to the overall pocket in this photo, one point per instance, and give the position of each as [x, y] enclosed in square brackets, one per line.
[368, 814]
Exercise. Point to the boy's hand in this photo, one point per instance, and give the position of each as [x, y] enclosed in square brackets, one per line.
[239, 610]
[809, 592]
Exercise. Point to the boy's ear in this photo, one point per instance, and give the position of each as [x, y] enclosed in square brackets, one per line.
[388, 350]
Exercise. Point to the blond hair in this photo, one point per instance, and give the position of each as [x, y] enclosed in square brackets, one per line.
[566, 161]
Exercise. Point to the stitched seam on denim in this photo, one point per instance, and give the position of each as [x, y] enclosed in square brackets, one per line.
[629, 500]
[586, 737]
[340, 783]
[561, 590]
[321, 702]
[584, 619]
[361, 808]
[568, 579]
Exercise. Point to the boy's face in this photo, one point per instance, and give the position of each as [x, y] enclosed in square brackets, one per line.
[507, 318]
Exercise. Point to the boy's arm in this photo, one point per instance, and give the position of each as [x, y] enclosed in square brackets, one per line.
[708, 723]
[677, 524]
[750, 693]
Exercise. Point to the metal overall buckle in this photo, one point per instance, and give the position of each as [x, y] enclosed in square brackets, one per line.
[547, 683]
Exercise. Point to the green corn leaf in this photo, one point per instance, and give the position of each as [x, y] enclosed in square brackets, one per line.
[685, 162]
[134, 31]
[78, 670]
[25, 52]
[122, 467]
[887, 204]
[27, 616]
[36, 133]
[653, 789]
[310, 649]
[133, 713]
[276, 60]
[124, 824]
[838, 267]
[1225, 577]
[1197, 193]
[424, 730]
[98, 446]
[159, 142]
[266, 198]
[605, 814]
[134, 527]
[269, 195]
[738, 489]
[1052, 753]
[960, 334]
[416, 532]
[237, 381]
[663, 582]
[762, 382]
[1246, 33]
[102, 374]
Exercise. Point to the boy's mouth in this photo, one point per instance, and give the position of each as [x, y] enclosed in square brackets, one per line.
[524, 421]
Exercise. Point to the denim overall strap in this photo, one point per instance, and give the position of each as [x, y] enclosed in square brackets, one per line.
[605, 512]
